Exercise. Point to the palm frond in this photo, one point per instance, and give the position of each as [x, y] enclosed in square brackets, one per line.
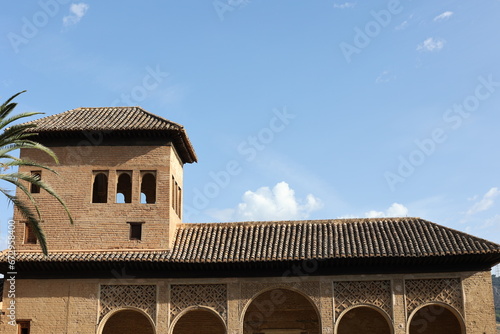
[32, 220]
[13, 179]
[7, 107]
[15, 137]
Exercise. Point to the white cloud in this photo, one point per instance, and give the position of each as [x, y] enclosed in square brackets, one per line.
[385, 77]
[402, 25]
[443, 16]
[344, 5]
[484, 203]
[395, 210]
[278, 203]
[431, 44]
[77, 11]
[491, 222]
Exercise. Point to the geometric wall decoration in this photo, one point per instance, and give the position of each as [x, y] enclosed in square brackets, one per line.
[377, 293]
[117, 296]
[183, 296]
[421, 291]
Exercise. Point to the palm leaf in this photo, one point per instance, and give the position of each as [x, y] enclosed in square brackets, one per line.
[32, 220]
[13, 138]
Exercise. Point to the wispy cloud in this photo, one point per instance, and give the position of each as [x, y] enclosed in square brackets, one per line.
[395, 210]
[431, 44]
[485, 202]
[443, 16]
[385, 77]
[77, 11]
[402, 25]
[278, 203]
[344, 5]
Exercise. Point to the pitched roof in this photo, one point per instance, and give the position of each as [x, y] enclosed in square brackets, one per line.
[323, 239]
[336, 240]
[114, 119]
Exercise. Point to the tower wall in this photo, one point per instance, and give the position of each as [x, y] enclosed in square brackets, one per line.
[105, 225]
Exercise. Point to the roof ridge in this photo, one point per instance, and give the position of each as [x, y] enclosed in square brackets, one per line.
[139, 108]
[296, 222]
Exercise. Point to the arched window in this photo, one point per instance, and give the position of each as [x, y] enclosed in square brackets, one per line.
[148, 188]
[128, 322]
[363, 319]
[285, 311]
[435, 319]
[124, 188]
[100, 188]
[199, 321]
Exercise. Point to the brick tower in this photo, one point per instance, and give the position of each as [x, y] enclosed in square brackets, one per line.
[120, 173]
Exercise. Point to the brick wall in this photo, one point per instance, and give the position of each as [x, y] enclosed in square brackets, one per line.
[71, 305]
[104, 225]
[478, 303]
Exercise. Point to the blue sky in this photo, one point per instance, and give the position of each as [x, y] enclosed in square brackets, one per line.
[297, 109]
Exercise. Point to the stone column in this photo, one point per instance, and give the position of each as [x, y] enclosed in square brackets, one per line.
[233, 311]
[326, 311]
[398, 306]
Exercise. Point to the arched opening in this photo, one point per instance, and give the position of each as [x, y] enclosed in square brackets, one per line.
[128, 322]
[363, 319]
[100, 188]
[124, 188]
[199, 321]
[435, 318]
[281, 311]
[148, 188]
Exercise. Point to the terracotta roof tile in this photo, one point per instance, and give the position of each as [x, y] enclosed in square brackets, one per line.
[114, 119]
[102, 119]
[294, 240]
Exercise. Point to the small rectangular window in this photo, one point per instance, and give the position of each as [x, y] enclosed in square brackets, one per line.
[23, 327]
[176, 197]
[29, 235]
[135, 231]
[34, 188]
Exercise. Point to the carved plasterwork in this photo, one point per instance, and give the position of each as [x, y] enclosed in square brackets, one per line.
[376, 293]
[444, 290]
[213, 296]
[114, 297]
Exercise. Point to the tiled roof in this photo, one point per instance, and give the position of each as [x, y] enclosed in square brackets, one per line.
[297, 240]
[112, 119]
[102, 119]
[323, 239]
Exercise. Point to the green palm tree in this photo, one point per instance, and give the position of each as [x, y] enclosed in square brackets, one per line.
[12, 138]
